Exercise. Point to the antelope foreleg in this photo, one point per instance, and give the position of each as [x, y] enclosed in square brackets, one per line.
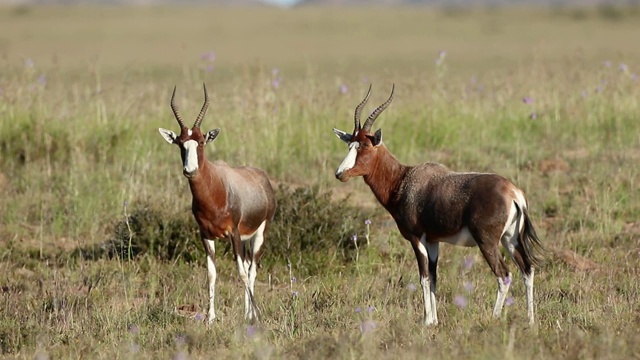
[432, 251]
[209, 246]
[421, 256]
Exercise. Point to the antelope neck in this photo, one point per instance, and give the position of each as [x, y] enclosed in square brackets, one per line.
[385, 176]
[205, 181]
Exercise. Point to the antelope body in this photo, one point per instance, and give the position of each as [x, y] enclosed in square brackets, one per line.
[237, 203]
[432, 204]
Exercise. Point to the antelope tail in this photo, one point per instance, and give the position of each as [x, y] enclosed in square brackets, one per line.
[533, 248]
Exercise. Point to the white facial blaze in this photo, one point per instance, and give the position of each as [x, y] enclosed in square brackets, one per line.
[350, 160]
[191, 156]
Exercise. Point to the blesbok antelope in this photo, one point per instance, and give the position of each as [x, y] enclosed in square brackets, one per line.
[237, 203]
[432, 204]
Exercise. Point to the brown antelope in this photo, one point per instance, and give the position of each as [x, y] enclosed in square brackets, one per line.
[236, 203]
[432, 204]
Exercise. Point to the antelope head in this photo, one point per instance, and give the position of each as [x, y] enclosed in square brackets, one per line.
[363, 144]
[191, 141]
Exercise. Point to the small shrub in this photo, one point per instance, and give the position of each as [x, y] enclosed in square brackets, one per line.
[153, 230]
[310, 230]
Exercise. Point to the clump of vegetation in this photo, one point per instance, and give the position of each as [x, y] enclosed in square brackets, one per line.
[156, 231]
[309, 230]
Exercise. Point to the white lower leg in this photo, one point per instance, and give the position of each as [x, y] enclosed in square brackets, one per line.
[256, 245]
[252, 280]
[432, 296]
[432, 253]
[429, 318]
[503, 289]
[528, 282]
[211, 275]
[245, 281]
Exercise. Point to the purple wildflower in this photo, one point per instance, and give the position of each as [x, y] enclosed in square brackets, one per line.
[527, 100]
[354, 237]
[411, 287]
[293, 279]
[199, 317]
[343, 89]
[208, 56]
[634, 77]
[460, 301]
[468, 286]
[358, 309]
[623, 67]
[367, 222]
[275, 83]
[181, 339]
[368, 326]
[607, 63]
[252, 331]
[506, 281]
[440, 59]
[181, 355]
[134, 329]
[42, 79]
[533, 115]
[509, 301]
[209, 68]
[468, 263]
[294, 294]
[370, 309]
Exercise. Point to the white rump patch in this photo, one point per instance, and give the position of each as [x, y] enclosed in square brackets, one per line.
[511, 231]
[350, 160]
[461, 238]
[191, 156]
[257, 234]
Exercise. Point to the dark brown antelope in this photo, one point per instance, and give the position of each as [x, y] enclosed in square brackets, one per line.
[432, 204]
[236, 203]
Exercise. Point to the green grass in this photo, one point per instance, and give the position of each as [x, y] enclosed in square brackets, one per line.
[83, 91]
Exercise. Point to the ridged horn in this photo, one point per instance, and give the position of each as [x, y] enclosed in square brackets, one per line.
[204, 108]
[356, 117]
[374, 115]
[175, 109]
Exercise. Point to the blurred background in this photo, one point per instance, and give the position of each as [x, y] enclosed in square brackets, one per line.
[99, 253]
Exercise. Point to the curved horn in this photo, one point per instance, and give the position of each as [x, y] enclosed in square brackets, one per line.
[175, 109]
[356, 117]
[374, 115]
[204, 108]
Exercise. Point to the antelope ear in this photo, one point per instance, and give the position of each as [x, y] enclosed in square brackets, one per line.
[211, 135]
[168, 135]
[376, 139]
[344, 136]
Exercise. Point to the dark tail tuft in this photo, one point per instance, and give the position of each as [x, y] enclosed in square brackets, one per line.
[533, 248]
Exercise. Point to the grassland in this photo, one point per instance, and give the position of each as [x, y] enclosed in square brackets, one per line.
[83, 90]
